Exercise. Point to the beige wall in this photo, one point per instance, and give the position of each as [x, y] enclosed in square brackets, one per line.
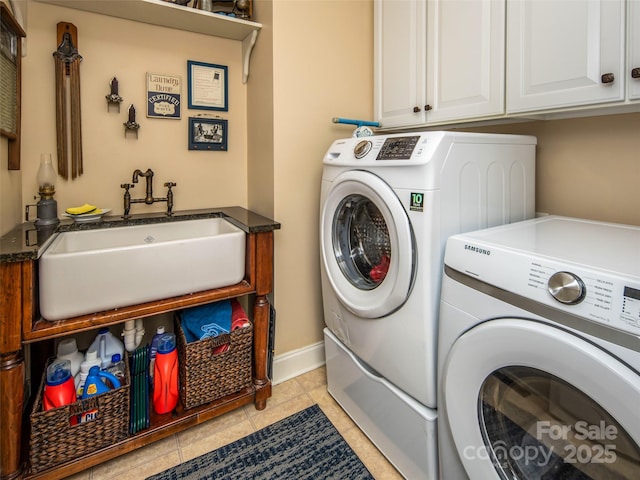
[322, 68]
[260, 122]
[312, 61]
[129, 50]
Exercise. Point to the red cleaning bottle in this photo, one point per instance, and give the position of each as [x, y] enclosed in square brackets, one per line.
[59, 388]
[165, 378]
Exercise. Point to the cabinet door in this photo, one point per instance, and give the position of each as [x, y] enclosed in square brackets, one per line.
[633, 63]
[465, 59]
[559, 51]
[399, 61]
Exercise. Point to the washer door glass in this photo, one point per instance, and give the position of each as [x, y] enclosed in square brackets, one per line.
[367, 245]
[536, 425]
[361, 242]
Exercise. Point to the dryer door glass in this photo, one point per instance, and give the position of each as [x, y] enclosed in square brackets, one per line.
[361, 242]
[536, 425]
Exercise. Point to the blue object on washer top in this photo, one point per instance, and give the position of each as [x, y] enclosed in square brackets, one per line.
[206, 321]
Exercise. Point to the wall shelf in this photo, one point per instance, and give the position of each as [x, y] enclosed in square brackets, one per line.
[165, 14]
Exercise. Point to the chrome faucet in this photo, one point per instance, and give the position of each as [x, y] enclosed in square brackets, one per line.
[149, 198]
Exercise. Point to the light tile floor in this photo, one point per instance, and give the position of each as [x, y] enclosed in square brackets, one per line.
[287, 398]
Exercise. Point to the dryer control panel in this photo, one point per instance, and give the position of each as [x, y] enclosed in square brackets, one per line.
[566, 288]
[631, 306]
[584, 268]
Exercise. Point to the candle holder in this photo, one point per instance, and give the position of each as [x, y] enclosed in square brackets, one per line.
[131, 125]
[113, 98]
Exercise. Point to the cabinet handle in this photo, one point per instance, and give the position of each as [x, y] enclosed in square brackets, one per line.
[635, 73]
[607, 78]
[428, 107]
[416, 109]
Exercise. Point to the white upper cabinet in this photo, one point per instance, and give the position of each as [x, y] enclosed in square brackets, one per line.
[465, 59]
[438, 61]
[633, 62]
[564, 53]
[399, 62]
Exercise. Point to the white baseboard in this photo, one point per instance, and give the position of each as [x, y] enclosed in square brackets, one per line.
[297, 362]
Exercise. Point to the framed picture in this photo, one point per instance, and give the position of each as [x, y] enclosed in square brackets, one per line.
[207, 134]
[207, 86]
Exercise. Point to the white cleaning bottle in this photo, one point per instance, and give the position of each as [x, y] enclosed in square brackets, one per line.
[68, 350]
[91, 360]
[107, 344]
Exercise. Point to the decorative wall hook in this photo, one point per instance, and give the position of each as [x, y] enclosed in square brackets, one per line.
[113, 98]
[131, 125]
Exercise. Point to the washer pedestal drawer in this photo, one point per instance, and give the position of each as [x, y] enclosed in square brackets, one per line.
[400, 427]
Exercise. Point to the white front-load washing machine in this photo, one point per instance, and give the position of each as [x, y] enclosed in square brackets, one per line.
[539, 352]
[388, 203]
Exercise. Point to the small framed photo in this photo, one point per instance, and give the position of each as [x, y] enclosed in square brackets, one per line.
[207, 134]
[207, 86]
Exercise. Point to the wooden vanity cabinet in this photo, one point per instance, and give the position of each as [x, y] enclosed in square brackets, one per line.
[21, 325]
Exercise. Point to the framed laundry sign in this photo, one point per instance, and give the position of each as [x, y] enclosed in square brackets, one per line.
[208, 88]
[163, 96]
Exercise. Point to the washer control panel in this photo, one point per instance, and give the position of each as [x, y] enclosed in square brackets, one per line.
[394, 148]
[362, 148]
[398, 148]
[388, 150]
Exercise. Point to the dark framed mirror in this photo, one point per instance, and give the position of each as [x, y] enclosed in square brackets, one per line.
[10, 81]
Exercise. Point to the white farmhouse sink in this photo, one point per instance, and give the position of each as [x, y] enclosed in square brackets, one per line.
[94, 270]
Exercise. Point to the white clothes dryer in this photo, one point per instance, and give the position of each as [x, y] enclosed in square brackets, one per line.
[539, 352]
[388, 203]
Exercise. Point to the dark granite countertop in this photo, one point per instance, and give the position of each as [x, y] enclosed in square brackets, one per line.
[25, 242]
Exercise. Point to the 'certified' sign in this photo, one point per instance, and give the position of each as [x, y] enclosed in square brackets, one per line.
[163, 96]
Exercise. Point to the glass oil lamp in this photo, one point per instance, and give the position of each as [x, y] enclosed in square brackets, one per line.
[47, 207]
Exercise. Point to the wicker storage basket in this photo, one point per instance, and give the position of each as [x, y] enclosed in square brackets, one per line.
[205, 377]
[54, 440]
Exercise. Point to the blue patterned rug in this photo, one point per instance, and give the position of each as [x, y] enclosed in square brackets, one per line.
[303, 446]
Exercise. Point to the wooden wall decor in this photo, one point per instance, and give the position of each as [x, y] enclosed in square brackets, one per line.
[68, 123]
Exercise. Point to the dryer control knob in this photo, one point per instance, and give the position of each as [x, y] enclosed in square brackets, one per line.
[566, 288]
[362, 148]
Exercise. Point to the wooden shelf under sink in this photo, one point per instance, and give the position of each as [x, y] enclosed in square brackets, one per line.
[43, 329]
